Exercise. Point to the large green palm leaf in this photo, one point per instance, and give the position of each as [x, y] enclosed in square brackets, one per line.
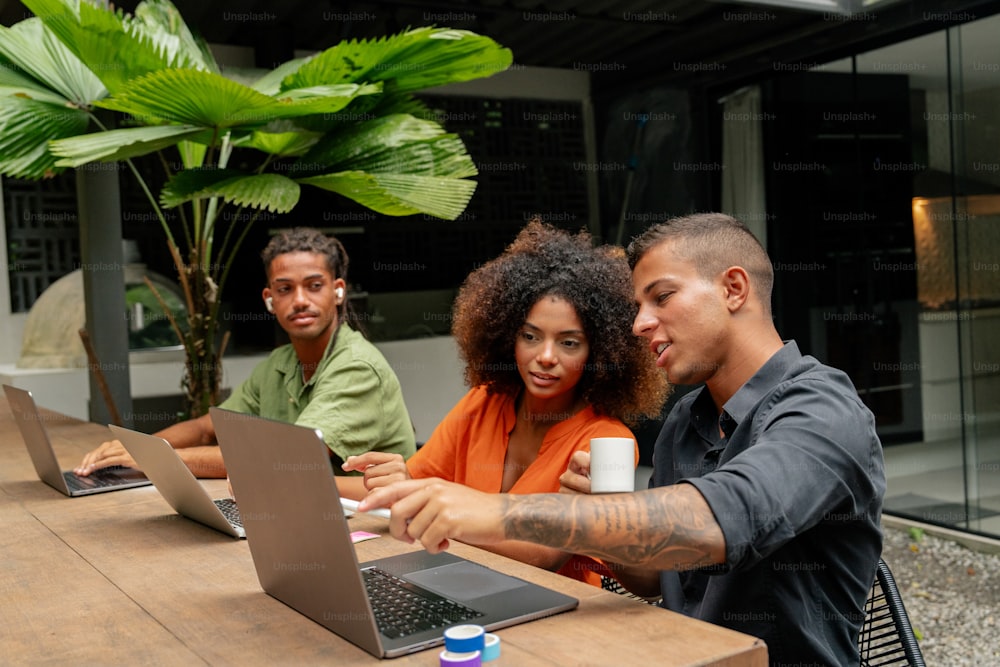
[26, 125]
[14, 83]
[191, 97]
[412, 60]
[36, 52]
[395, 143]
[324, 100]
[368, 108]
[400, 194]
[123, 144]
[197, 97]
[160, 16]
[270, 192]
[118, 47]
[397, 165]
[43, 89]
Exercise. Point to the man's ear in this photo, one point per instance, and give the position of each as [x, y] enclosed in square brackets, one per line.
[340, 289]
[736, 284]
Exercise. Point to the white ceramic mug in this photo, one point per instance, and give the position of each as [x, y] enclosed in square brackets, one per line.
[612, 465]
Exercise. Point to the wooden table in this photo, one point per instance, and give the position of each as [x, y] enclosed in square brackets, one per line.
[119, 578]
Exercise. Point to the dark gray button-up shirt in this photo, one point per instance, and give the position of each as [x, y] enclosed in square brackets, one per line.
[796, 484]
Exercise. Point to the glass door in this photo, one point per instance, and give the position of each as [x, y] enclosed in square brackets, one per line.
[887, 186]
[974, 68]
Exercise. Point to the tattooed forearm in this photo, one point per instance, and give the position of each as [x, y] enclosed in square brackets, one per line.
[667, 528]
[535, 523]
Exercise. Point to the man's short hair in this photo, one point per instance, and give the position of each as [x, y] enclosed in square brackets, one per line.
[307, 239]
[713, 242]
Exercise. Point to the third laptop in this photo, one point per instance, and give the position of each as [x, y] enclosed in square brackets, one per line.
[176, 483]
[302, 550]
[36, 439]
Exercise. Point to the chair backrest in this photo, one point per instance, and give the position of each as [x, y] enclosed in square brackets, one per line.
[886, 635]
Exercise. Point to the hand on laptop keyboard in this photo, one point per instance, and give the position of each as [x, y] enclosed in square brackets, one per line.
[110, 453]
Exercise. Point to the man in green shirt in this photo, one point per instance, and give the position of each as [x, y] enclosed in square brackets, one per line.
[328, 377]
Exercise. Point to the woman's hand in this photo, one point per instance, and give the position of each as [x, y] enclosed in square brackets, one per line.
[576, 479]
[380, 468]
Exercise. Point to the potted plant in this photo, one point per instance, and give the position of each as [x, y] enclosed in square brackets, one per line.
[343, 120]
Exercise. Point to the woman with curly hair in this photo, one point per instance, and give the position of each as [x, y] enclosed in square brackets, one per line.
[545, 331]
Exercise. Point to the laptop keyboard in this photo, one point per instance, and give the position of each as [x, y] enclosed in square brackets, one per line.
[402, 608]
[230, 511]
[95, 480]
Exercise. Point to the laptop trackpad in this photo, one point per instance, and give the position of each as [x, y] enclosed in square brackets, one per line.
[463, 581]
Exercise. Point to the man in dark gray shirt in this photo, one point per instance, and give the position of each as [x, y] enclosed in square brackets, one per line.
[764, 508]
[792, 470]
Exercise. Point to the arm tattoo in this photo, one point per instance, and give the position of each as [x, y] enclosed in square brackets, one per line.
[667, 528]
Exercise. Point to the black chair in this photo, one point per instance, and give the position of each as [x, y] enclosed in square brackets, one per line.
[886, 635]
[613, 585]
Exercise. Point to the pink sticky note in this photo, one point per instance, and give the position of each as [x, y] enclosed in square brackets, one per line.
[362, 535]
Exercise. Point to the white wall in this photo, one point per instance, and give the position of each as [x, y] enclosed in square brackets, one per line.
[11, 325]
[430, 372]
[942, 373]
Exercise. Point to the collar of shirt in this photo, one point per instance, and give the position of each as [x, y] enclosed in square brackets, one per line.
[708, 422]
[292, 369]
[763, 381]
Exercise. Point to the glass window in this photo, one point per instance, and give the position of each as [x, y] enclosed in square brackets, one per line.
[884, 224]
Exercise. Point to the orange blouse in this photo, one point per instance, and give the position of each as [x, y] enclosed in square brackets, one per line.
[469, 446]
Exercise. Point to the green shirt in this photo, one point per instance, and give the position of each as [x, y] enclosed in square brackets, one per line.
[353, 398]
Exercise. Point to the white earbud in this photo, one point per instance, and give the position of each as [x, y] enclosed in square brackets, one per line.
[340, 294]
[269, 304]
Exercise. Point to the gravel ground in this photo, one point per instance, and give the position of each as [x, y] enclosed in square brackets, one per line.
[952, 596]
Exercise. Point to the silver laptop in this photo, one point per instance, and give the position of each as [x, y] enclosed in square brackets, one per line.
[36, 439]
[301, 546]
[175, 482]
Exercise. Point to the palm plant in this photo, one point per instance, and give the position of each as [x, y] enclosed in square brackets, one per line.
[343, 120]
